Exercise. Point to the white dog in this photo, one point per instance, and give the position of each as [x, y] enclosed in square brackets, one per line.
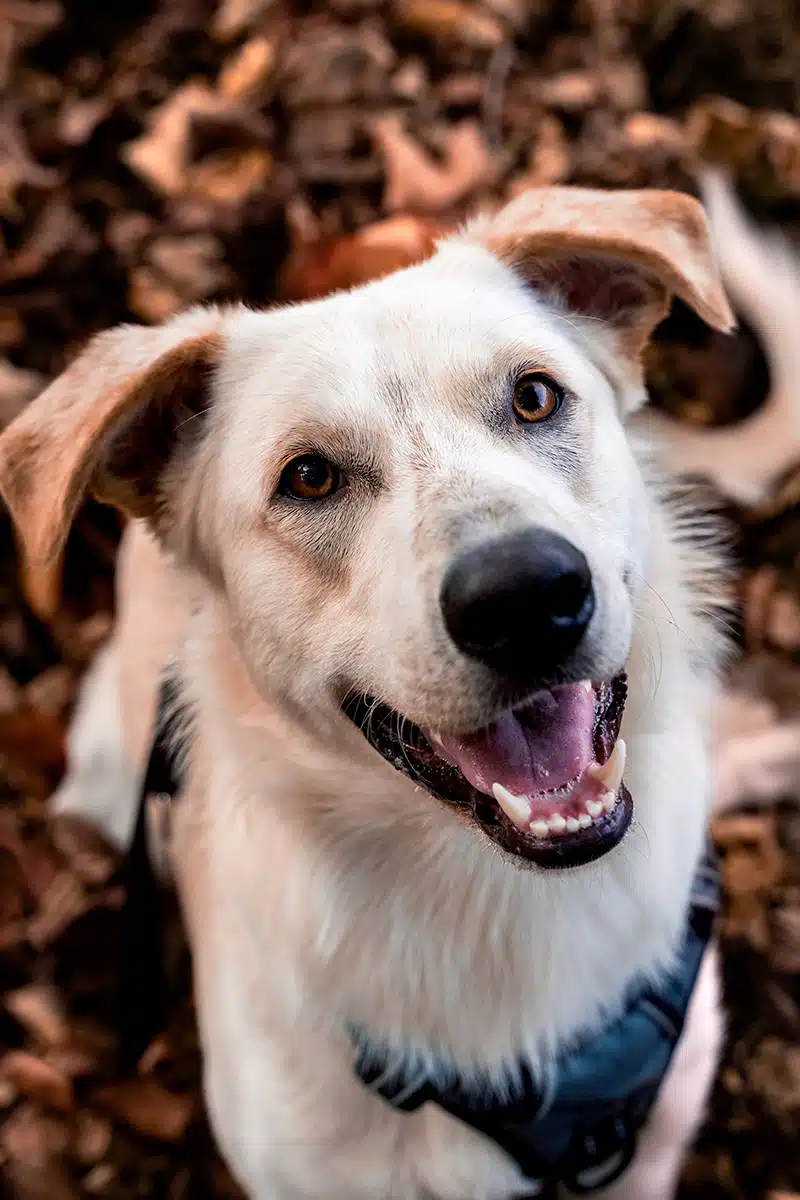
[402, 551]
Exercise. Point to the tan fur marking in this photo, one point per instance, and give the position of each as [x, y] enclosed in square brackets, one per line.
[664, 234]
[49, 456]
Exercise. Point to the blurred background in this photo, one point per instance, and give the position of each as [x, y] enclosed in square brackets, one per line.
[157, 154]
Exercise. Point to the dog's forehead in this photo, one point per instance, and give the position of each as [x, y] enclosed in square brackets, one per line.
[415, 338]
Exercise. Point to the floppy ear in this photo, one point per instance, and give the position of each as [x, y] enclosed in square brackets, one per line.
[617, 256]
[112, 424]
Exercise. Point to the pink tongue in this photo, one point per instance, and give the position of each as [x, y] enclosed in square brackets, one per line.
[534, 749]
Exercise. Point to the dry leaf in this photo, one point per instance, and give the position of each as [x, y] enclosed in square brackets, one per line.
[235, 17]
[722, 131]
[32, 1139]
[774, 1073]
[245, 74]
[548, 160]
[12, 330]
[33, 749]
[194, 264]
[127, 232]
[151, 297]
[230, 177]
[39, 1009]
[79, 118]
[57, 229]
[760, 144]
[37, 1080]
[17, 168]
[415, 181]
[410, 79]
[161, 156]
[91, 1138]
[60, 905]
[450, 20]
[10, 692]
[51, 692]
[572, 91]
[99, 1179]
[646, 130]
[179, 272]
[147, 1107]
[625, 84]
[84, 848]
[331, 264]
[752, 867]
[358, 63]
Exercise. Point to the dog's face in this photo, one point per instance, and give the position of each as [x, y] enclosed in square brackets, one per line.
[419, 501]
[381, 442]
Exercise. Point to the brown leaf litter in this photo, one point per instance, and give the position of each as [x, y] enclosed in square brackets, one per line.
[199, 150]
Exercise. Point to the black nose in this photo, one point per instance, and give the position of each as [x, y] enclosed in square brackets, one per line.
[520, 603]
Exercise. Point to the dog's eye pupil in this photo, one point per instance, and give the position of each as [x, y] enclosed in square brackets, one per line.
[310, 477]
[536, 396]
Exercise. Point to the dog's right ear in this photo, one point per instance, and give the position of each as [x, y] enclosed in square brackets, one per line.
[111, 425]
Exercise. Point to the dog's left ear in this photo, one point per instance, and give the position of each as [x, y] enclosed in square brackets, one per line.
[616, 256]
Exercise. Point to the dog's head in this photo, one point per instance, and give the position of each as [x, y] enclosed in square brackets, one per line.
[417, 498]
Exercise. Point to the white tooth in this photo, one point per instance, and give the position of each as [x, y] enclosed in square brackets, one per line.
[557, 823]
[516, 808]
[609, 800]
[586, 684]
[540, 828]
[572, 825]
[610, 774]
[594, 808]
[584, 820]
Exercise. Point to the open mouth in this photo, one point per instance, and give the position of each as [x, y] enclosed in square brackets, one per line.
[543, 781]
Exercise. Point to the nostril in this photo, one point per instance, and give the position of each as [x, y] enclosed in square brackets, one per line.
[570, 599]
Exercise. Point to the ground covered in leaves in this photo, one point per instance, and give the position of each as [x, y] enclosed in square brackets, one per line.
[156, 154]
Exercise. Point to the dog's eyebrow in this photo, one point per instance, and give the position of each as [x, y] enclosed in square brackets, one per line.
[353, 448]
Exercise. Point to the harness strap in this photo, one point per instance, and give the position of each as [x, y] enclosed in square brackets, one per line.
[576, 1121]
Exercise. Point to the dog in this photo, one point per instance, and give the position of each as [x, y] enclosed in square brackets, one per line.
[445, 670]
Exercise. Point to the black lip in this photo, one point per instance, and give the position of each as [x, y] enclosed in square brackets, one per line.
[405, 747]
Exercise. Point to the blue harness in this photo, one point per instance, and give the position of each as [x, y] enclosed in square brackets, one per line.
[577, 1122]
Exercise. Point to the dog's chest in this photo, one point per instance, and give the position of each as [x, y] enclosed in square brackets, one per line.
[576, 1120]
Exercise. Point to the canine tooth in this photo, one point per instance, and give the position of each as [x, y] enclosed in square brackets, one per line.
[584, 820]
[557, 824]
[610, 774]
[586, 684]
[540, 828]
[609, 800]
[594, 808]
[572, 825]
[516, 808]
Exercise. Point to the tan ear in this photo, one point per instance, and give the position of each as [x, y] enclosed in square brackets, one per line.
[618, 256]
[110, 425]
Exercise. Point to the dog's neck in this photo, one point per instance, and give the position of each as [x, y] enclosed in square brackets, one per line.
[480, 961]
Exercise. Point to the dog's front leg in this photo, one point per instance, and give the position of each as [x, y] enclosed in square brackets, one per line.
[679, 1109]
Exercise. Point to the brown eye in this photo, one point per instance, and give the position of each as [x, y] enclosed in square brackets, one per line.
[536, 396]
[310, 477]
